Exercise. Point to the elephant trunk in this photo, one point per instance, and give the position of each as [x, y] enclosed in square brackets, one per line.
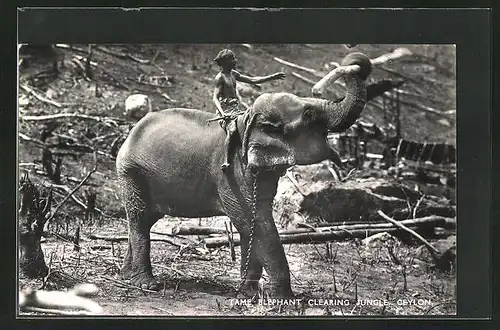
[266, 244]
[341, 115]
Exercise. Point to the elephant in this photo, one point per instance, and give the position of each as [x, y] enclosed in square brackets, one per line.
[170, 164]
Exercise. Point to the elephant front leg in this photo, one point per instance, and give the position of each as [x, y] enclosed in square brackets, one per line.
[270, 252]
[251, 269]
[250, 202]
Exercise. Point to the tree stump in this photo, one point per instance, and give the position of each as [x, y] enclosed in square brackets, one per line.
[32, 218]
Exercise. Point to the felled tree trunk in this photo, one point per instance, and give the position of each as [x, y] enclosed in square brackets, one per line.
[32, 218]
[339, 233]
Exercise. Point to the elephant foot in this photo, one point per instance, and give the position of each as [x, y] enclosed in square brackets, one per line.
[253, 292]
[142, 279]
[281, 293]
[248, 290]
[225, 166]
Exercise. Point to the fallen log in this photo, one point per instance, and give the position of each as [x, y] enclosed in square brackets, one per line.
[430, 221]
[70, 115]
[124, 238]
[188, 230]
[434, 221]
[412, 164]
[332, 233]
[312, 237]
[449, 223]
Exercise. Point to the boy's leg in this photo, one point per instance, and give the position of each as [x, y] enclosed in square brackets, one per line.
[227, 141]
[228, 146]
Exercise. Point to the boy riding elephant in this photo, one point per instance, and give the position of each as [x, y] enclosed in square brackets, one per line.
[227, 100]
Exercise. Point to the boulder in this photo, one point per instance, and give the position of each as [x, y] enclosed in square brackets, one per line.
[378, 240]
[317, 197]
[137, 106]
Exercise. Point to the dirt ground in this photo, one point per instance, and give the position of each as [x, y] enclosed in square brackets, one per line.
[329, 278]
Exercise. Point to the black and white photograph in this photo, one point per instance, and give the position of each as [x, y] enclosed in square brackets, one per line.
[236, 179]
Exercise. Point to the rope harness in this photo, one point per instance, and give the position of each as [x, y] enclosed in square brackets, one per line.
[252, 229]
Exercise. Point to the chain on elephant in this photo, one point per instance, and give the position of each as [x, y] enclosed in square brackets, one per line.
[252, 229]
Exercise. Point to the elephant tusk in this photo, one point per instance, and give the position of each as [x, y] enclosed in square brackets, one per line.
[319, 88]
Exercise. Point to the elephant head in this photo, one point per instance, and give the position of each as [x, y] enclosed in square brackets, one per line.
[282, 129]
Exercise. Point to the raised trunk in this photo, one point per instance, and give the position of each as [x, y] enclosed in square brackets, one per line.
[341, 115]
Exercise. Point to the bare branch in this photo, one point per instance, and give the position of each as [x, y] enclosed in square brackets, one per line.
[389, 57]
[75, 189]
[314, 72]
[72, 48]
[46, 208]
[121, 55]
[106, 72]
[402, 226]
[291, 177]
[40, 97]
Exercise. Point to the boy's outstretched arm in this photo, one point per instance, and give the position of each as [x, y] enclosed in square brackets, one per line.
[257, 80]
[216, 94]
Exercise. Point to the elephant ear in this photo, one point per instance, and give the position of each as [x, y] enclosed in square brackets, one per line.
[246, 129]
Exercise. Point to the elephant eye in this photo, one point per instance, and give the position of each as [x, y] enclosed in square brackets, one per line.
[271, 127]
[308, 115]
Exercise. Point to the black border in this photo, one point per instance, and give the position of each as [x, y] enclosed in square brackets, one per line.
[469, 29]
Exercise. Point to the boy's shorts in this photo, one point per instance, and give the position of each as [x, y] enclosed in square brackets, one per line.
[230, 106]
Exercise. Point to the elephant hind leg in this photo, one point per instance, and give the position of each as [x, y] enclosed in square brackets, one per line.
[137, 263]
